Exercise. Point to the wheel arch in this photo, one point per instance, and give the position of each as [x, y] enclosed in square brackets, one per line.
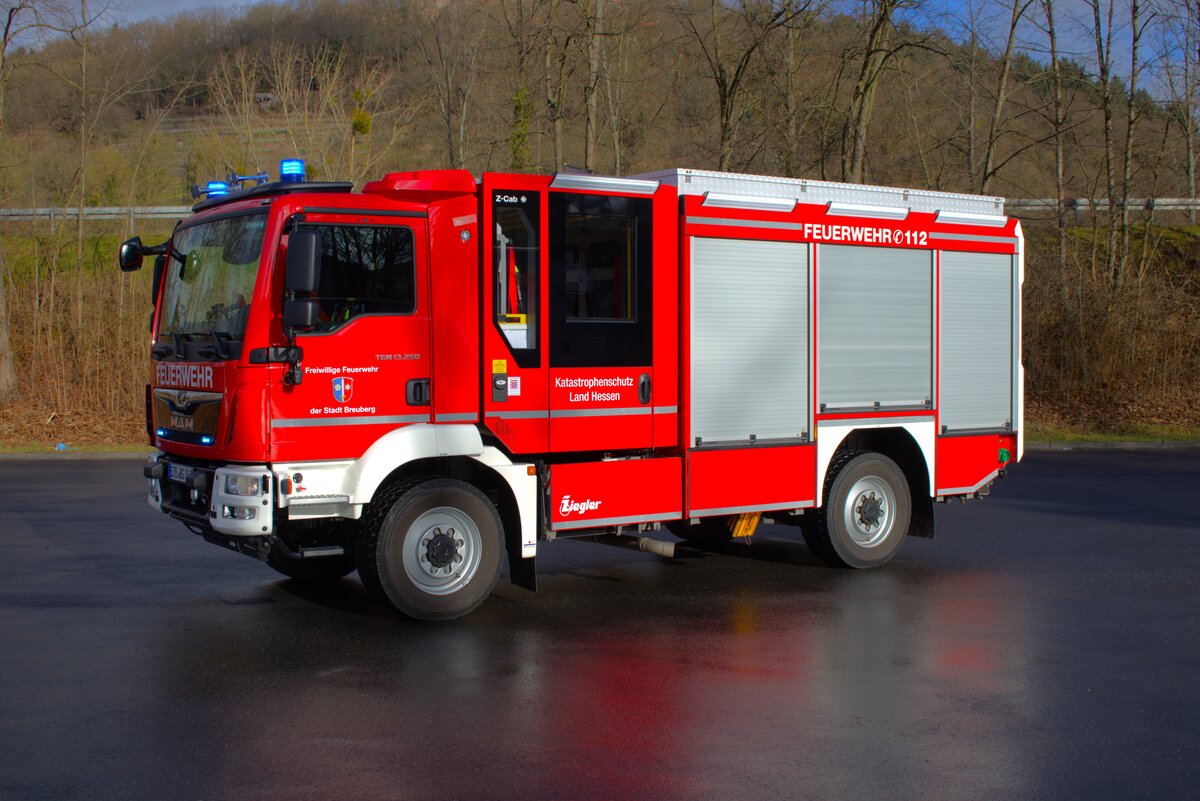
[909, 445]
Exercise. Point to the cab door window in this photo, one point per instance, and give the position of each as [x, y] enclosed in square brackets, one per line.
[365, 269]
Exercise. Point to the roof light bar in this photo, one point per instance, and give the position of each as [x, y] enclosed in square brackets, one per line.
[963, 218]
[863, 210]
[216, 189]
[719, 201]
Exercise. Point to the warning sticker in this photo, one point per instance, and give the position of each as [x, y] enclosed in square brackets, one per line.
[499, 365]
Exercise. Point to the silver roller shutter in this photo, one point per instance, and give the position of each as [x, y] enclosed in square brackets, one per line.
[875, 327]
[976, 366]
[750, 340]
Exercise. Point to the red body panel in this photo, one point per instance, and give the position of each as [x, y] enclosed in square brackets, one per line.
[725, 481]
[454, 279]
[615, 492]
[965, 462]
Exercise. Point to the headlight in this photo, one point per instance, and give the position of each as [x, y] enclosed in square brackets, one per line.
[241, 485]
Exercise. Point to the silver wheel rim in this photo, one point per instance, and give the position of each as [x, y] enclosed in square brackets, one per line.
[442, 550]
[869, 512]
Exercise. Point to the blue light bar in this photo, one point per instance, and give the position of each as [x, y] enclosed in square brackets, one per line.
[291, 170]
[216, 189]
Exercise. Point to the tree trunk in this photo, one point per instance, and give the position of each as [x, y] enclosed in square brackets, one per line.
[863, 98]
[8, 376]
[594, 25]
[1018, 10]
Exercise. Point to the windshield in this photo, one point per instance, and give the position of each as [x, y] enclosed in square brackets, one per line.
[210, 276]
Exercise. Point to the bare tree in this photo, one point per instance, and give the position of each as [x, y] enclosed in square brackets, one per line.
[729, 39]
[1102, 29]
[1018, 8]
[450, 47]
[880, 48]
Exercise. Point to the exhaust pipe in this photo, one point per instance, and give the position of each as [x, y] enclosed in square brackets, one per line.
[645, 544]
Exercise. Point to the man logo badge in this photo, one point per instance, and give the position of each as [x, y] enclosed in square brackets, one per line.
[343, 388]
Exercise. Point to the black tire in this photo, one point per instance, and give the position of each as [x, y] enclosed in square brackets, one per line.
[710, 531]
[318, 570]
[866, 514]
[431, 548]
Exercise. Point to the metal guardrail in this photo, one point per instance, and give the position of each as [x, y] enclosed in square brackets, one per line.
[1084, 205]
[1011, 205]
[98, 213]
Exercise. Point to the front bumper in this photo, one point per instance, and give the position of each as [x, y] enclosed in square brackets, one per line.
[199, 494]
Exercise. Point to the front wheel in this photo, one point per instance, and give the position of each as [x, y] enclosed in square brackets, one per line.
[435, 554]
[866, 513]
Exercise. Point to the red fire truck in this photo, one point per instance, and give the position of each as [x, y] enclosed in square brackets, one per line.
[421, 378]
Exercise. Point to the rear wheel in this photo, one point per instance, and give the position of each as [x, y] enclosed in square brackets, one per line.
[435, 554]
[866, 513]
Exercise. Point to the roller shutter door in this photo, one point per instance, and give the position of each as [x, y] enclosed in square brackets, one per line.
[976, 341]
[749, 340]
[875, 327]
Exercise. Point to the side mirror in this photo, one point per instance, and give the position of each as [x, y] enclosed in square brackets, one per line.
[303, 271]
[302, 314]
[160, 264]
[130, 256]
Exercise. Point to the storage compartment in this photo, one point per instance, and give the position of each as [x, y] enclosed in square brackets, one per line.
[733, 480]
[750, 342]
[976, 342]
[616, 492]
[875, 328]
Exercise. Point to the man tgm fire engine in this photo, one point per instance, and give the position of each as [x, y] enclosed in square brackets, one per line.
[419, 378]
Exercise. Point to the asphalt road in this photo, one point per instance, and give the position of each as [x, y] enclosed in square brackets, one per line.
[1045, 645]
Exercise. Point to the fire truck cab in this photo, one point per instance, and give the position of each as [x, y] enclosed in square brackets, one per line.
[436, 373]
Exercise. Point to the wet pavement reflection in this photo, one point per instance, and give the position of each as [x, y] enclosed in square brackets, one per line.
[1043, 646]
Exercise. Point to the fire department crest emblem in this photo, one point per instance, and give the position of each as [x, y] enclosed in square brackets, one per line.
[343, 388]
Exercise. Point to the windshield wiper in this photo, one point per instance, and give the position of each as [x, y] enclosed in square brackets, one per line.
[220, 350]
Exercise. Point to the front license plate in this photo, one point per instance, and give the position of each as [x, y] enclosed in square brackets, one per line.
[180, 472]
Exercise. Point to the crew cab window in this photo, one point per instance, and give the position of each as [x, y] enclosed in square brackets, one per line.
[365, 269]
[515, 266]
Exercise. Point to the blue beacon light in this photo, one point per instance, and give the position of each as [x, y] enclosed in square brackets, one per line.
[291, 170]
[216, 189]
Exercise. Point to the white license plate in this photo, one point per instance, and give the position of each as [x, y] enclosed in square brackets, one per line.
[180, 472]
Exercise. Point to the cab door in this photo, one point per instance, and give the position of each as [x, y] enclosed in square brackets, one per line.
[601, 315]
[366, 369]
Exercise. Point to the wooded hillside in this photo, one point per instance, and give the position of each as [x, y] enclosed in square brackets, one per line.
[1022, 98]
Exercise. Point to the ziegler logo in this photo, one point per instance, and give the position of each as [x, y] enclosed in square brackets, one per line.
[569, 506]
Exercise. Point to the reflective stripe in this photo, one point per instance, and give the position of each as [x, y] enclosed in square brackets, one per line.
[785, 226]
[614, 521]
[1007, 240]
[624, 410]
[666, 409]
[867, 420]
[523, 415]
[761, 507]
[365, 420]
[456, 417]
